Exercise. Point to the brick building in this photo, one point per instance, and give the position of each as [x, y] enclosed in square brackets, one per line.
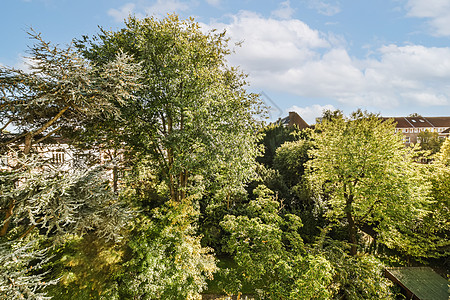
[410, 127]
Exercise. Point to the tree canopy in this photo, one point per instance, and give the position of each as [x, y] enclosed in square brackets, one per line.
[193, 119]
[366, 175]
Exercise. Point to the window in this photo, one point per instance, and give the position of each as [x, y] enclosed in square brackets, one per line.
[407, 140]
[416, 130]
[406, 130]
[58, 157]
[80, 160]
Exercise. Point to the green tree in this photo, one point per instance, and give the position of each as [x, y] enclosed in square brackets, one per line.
[61, 90]
[190, 133]
[443, 157]
[166, 258]
[429, 141]
[437, 225]
[365, 175]
[270, 256]
[264, 246]
[50, 206]
[274, 135]
[290, 159]
[42, 204]
[193, 121]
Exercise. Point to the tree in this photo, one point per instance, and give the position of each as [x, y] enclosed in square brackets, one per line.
[429, 141]
[437, 224]
[363, 171]
[443, 156]
[265, 246]
[274, 135]
[50, 206]
[272, 259]
[43, 205]
[60, 91]
[166, 258]
[193, 121]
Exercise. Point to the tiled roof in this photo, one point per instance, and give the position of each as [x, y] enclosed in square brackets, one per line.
[439, 121]
[420, 122]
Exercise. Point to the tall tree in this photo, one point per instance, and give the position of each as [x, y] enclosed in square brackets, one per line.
[193, 121]
[60, 91]
[43, 204]
[365, 173]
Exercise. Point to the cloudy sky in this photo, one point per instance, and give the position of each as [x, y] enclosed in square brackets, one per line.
[387, 56]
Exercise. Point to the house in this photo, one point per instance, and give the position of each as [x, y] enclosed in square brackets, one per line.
[56, 151]
[293, 119]
[410, 127]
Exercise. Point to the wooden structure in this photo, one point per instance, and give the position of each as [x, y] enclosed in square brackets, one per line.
[420, 283]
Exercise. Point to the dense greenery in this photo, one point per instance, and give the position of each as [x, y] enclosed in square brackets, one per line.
[182, 191]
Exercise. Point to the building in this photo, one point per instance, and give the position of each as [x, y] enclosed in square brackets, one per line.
[293, 119]
[410, 127]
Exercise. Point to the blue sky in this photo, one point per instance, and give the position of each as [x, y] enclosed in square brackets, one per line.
[389, 57]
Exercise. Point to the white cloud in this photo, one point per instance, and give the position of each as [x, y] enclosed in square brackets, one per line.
[325, 7]
[160, 9]
[24, 63]
[163, 7]
[437, 12]
[122, 13]
[269, 44]
[310, 113]
[289, 56]
[284, 12]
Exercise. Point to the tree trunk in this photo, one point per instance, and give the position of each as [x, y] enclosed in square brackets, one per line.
[115, 178]
[8, 215]
[351, 222]
[352, 233]
[27, 143]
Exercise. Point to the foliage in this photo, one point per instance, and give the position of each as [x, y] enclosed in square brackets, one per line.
[429, 141]
[289, 160]
[193, 120]
[58, 202]
[437, 224]
[363, 171]
[46, 205]
[86, 267]
[443, 157]
[167, 260]
[356, 277]
[271, 257]
[21, 274]
[256, 243]
[274, 135]
[60, 90]
[269, 252]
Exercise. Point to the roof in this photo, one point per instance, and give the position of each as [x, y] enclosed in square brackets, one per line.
[420, 122]
[293, 119]
[421, 282]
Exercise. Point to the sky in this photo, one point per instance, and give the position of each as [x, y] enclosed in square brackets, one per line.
[387, 57]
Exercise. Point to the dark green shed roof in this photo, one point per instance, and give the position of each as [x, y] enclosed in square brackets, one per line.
[420, 283]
